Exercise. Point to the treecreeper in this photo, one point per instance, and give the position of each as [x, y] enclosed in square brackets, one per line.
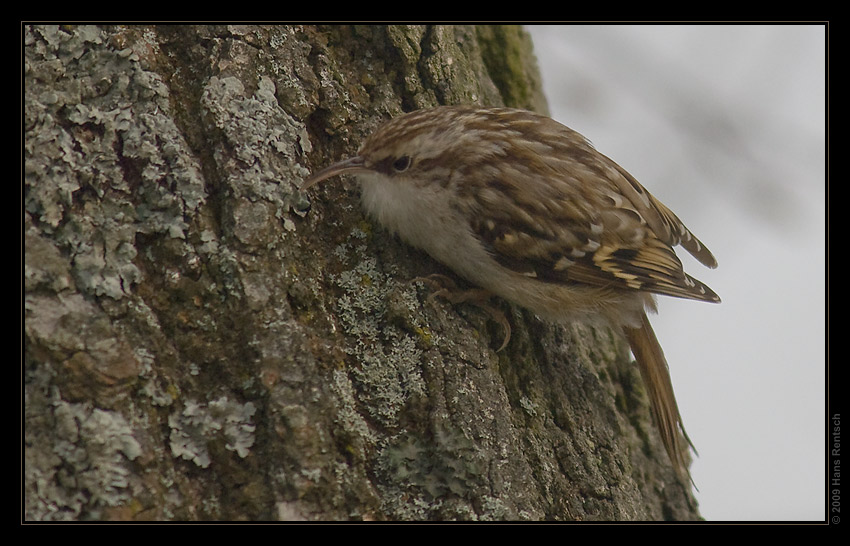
[526, 209]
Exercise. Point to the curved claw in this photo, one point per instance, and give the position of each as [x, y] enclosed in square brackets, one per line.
[444, 287]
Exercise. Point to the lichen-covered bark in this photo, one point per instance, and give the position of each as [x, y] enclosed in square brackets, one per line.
[204, 342]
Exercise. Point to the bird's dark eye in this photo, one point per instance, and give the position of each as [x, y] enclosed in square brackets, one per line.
[401, 164]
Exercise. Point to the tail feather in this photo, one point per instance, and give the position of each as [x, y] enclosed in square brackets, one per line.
[656, 378]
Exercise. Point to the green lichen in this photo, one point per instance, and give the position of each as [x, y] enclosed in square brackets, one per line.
[507, 53]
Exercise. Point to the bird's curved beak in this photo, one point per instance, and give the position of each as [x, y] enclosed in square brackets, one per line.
[351, 165]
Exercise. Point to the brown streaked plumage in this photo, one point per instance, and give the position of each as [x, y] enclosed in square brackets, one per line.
[527, 209]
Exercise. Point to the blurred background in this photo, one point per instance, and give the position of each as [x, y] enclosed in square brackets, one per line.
[726, 126]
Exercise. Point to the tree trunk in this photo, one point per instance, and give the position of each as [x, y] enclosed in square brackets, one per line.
[204, 343]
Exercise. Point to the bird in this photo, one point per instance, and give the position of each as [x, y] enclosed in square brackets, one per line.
[526, 209]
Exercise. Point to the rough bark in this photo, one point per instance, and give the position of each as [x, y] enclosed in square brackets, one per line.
[203, 342]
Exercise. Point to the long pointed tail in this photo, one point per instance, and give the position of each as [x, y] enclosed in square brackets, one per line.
[656, 378]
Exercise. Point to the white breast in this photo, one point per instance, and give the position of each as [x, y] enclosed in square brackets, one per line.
[424, 218]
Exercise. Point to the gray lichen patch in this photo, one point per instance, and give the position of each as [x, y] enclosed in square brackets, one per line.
[83, 467]
[196, 425]
[103, 160]
[264, 142]
[389, 370]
